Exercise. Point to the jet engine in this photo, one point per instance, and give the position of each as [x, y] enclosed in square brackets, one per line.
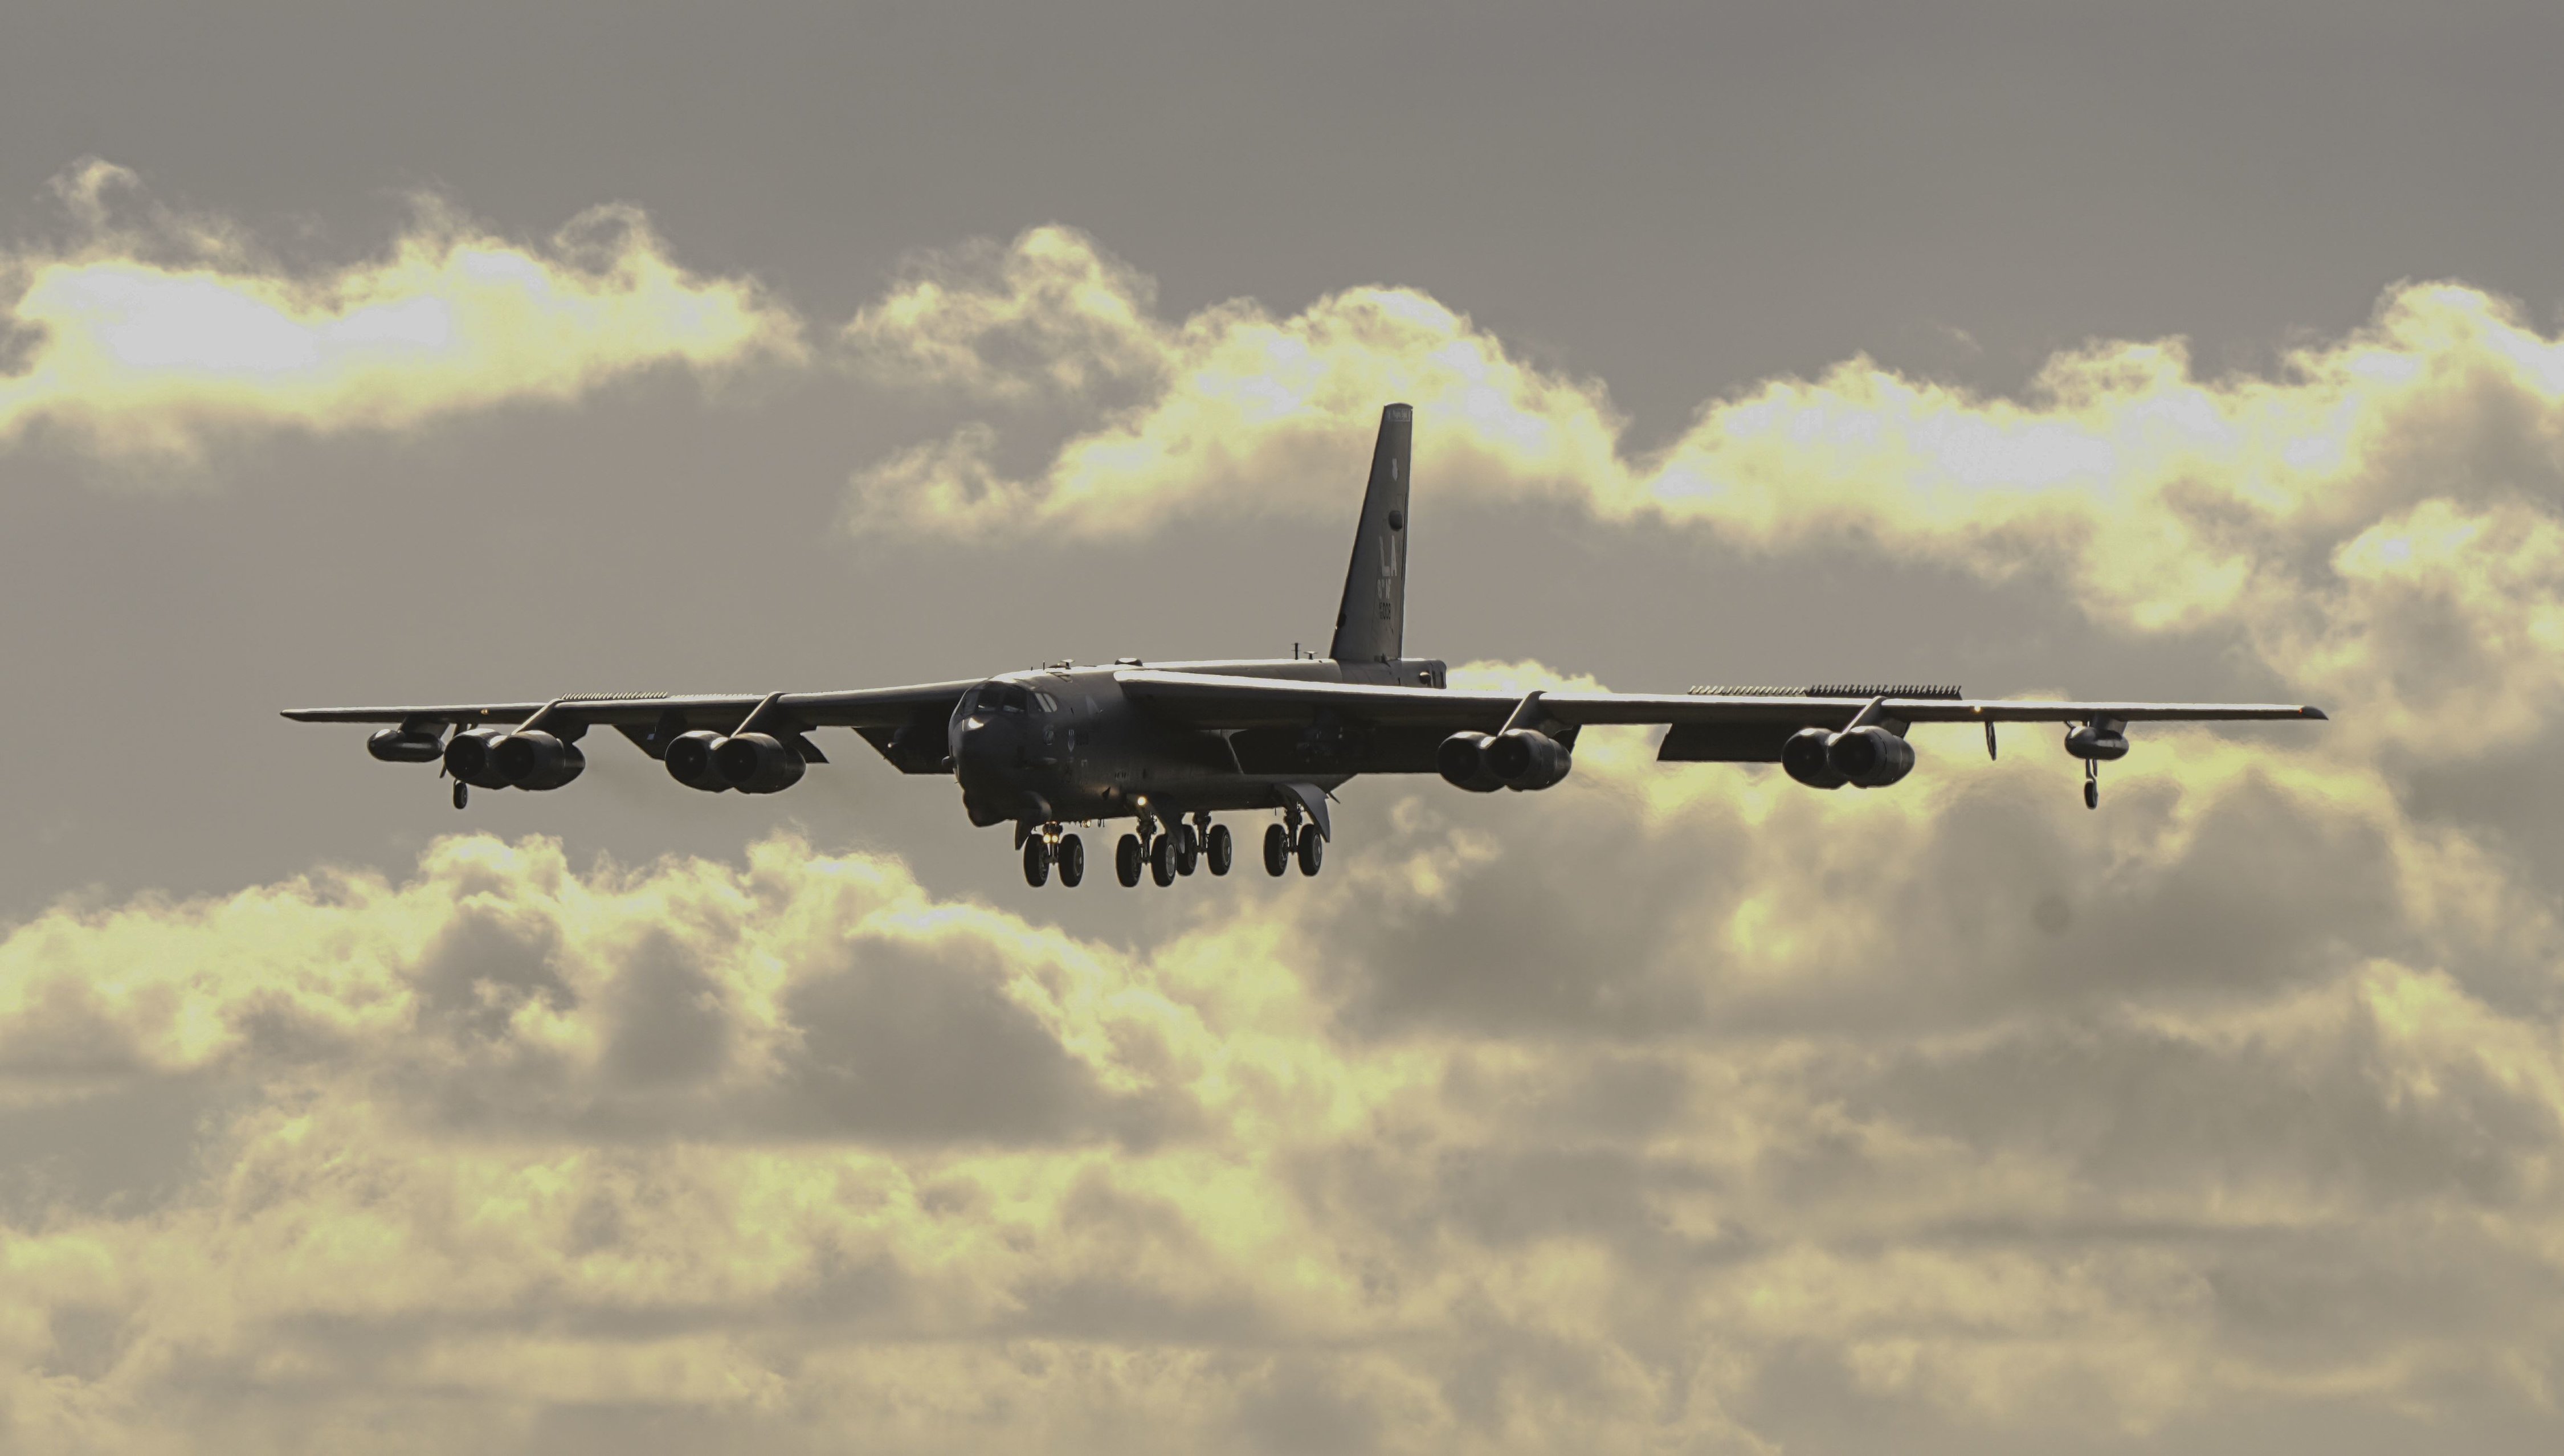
[1802, 757]
[400, 745]
[1523, 759]
[1870, 758]
[757, 763]
[690, 760]
[533, 760]
[471, 757]
[1462, 759]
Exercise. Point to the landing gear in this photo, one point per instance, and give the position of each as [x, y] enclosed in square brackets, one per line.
[1161, 860]
[1277, 850]
[1070, 855]
[1187, 847]
[2091, 784]
[462, 793]
[1313, 849]
[1036, 861]
[1219, 851]
[1127, 857]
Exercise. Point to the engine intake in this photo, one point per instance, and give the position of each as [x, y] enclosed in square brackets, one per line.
[757, 763]
[690, 760]
[471, 757]
[534, 759]
[1462, 761]
[1804, 759]
[1523, 759]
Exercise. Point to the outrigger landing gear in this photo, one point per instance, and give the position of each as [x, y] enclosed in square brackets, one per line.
[2091, 784]
[462, 793]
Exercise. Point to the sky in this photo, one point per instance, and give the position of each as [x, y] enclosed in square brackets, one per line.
[495, 351]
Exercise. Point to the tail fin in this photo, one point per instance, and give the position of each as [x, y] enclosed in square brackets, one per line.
[1371, 625]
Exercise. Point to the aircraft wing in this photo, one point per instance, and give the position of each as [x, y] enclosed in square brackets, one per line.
[1706, 725]
[904, 724]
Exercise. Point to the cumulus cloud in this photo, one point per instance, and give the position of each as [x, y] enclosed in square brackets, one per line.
[147, 340]
[1952, 1111]
[2375, 521]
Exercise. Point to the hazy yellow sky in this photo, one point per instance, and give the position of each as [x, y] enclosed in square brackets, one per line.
[1676, 1108]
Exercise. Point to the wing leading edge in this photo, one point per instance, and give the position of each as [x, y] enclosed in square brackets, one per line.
[1215, 702]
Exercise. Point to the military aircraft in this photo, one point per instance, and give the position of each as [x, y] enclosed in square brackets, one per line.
[1171, 744]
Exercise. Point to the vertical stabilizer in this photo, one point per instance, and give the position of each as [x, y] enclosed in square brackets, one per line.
[1371, 624]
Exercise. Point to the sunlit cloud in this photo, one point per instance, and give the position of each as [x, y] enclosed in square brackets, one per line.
[150, 341]
[1711, 1097]
[2307, 512]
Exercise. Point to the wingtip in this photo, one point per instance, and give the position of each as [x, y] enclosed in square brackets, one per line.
[2315, 713]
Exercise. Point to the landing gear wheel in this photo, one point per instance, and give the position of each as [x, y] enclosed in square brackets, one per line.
[1219, 851]
[1070, 855]
[1277, 850]
[462, 793]
[1036, 861]
[1127, 857]
[1161, 860]
[2091, 784]
[1313, 849]
[1187, 849]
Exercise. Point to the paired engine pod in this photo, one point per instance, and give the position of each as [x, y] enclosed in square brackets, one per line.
[690, 760]
[534, 759]
[400, 745]
[471, 757]
[1523, 759]
[757, 764]
[1462, 759]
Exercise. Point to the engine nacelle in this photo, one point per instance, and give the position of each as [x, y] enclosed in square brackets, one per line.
[1523, 759]
[534, 759]
[1804, 759]
[1462, 759]
[2099, 741]
[690, 760]
[471, 757]
[757, 763]
[400, 745]
[1871, 757]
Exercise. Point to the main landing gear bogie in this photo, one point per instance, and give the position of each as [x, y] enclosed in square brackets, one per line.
[1048, 850]
[1167, 854]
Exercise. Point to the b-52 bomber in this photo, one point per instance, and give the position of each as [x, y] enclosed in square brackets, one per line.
[1171, 744]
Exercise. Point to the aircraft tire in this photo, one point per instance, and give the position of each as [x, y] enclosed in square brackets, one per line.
[2091, 793]
[1072, 861]
[1161, 860]
[462, 793]
[1313, 849]
[1220, 849]
[1187, 849]
[1277, 850]
[1036, 861]
[1127, 859]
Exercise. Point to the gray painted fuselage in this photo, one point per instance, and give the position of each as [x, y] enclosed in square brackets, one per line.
[1067, 743]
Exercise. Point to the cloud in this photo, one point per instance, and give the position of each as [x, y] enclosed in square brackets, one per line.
[2375, 522]
[149, 343]
[1715, 1111]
